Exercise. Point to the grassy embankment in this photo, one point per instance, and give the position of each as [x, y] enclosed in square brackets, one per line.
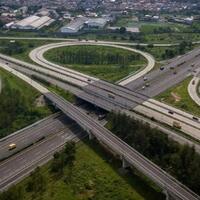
[95, 175]
[179, 97]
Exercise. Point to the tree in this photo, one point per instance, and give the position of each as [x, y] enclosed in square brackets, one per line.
[122, 30]
[37, 182]
[14, 193]
[179, 160]
[70, 151]
[64, 158]
[150, 46]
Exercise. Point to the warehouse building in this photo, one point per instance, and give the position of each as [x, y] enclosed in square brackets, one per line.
[74, 26]
[32, 23]
[96, 22]
[79, 23]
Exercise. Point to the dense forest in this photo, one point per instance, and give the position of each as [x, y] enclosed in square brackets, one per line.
[180, 161]
[93, 55]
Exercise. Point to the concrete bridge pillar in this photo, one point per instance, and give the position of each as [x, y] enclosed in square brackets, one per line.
[170, 196]
[125, 164]
[91, 136]
[166, 194]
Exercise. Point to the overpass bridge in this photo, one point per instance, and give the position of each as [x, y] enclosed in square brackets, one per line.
[128, 155]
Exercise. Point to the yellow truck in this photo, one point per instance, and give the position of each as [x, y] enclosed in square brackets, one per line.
[12, 146]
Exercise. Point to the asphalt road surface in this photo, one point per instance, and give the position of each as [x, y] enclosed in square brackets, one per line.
[160, 80]
[32, 134]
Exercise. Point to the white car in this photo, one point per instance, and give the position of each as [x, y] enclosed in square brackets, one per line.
[145, 78]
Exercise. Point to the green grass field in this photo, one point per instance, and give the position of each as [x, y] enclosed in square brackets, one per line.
[26, 112]
[103, 62]
[178, 97]
[95, 176]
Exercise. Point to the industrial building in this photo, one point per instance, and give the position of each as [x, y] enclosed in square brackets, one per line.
[32, 23]
[96, 22]
[74, 26]
[79, 23]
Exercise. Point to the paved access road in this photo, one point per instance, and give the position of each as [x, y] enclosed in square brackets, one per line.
[77, 40]
[160, 80]
[37, 56]
[193, 88]
[20, 165]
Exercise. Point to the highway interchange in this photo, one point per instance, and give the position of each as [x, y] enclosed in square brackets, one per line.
[123, 103]
[126, 152]
[96, 91]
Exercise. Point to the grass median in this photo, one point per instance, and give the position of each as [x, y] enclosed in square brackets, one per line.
[179, 97]
[106, 63]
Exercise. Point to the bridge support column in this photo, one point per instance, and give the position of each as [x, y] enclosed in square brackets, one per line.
[91, 136]
[125, 164]
[166, 194]
[170, 196]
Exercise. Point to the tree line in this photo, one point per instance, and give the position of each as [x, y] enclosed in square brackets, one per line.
[181, 161]
[179, 50]
[93, 56]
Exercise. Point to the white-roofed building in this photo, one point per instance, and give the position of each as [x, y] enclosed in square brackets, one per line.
[96, 22]
[32, 22]
[74, 26]
[25, 23]
[41, 22]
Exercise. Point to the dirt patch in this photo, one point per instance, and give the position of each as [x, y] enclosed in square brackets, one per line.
[176, 97]
[40, 101]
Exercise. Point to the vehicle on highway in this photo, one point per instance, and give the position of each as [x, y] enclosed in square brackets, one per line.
[175, 72]
[193, 82]
[171, 112]
[101, 117]
[89, 80]
[195, 118]
[145, 78]
[181, 63]
[112, 96]
[172, 67]
[177, 125]
[12, 146]
[194, 71]
[143, 87]
[162, 68]
[192, 65]
[147, 84]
